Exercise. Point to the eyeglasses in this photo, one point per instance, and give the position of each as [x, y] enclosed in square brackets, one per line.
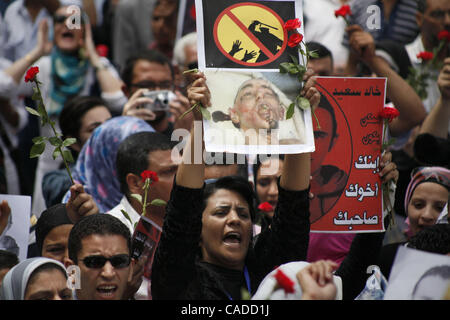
[97, 262]
[439, 15]
[439, 174]
[163, 85]
[60, 18]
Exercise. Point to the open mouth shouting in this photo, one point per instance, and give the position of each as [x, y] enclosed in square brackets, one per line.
[232, 239]
[106, 291]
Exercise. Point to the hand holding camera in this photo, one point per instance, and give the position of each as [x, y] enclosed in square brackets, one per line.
[134, 106]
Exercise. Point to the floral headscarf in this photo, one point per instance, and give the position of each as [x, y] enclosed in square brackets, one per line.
[96, 164]
[439, 175]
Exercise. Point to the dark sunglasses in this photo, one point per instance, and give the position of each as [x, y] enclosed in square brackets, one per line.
[60, 18]
[97, 262]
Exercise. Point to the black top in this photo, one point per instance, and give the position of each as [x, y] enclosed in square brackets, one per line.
[387, 257]
[176, 271]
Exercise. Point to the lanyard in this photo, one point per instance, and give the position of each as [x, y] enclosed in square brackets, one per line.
[247, 281]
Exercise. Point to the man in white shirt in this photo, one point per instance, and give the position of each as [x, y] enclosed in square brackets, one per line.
[139, 152]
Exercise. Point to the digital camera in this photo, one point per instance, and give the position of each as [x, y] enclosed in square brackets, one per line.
[161, 99]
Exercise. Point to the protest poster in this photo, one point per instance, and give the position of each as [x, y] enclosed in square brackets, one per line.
[15, 237]
[418, 275]
[245, 35]
[249, 114]
[144, 242]
[186, 18]
[345, 181]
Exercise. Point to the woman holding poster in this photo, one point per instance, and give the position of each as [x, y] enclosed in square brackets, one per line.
[206, 249]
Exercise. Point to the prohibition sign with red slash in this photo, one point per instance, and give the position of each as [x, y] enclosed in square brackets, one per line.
[264, 51]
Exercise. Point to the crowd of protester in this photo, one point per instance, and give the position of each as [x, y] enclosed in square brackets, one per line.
[215, 241]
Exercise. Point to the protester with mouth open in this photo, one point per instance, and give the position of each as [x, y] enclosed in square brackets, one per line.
[206, 249]
[68, 68]
[257, 110]
[100, 245]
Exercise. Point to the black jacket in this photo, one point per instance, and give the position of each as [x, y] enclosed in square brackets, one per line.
[176, 271]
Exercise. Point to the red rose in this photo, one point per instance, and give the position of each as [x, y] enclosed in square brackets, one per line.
[343, 11]
[425, 55]
[389, 113]
[292, 24]
[266, 207]
[192, 12]
[444, 35]
[102, 50]
[31, 74]
[295, 39]
[147, 174]
[284, 281]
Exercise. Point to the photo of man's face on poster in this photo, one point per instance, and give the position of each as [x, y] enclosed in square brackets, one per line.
[256, 106]
[249, 110]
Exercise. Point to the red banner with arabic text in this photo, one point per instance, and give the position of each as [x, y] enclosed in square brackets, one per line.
[345, 166]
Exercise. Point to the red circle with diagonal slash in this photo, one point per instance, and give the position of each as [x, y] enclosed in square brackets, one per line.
[227, 11]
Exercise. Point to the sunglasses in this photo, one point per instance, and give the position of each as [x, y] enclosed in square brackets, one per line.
[60, 18]
[97, 262]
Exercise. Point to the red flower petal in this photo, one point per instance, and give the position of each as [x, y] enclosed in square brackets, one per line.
[343, 11]
[147, 174]
[266, 207]
[31, 74]
[102, 50]
[292, 24]
[284, 281]
[425, 55]
[295, 39]
[444, 35]
[389, 113]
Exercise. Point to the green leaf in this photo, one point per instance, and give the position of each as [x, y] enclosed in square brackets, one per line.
[37, 149]
[205, 113]
[158, 202]
[190, 71]
[37, 140]
[301, 51]
[284, 67]
[67, 155]
[125, 214]
[69, 142]
[43, 113]
[36, 96]
[290, 111]
[313, 54]
[138, 197]
[303, 103]
[32, 111]
[294, 59]
[55, 141]
[301, 70]
[56, 153]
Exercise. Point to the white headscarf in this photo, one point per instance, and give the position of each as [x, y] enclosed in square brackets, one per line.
[16, 280]
[266, 288]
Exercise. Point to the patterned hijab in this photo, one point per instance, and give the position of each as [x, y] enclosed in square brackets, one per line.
[439, 175]
[15, 281]
[95, 168]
